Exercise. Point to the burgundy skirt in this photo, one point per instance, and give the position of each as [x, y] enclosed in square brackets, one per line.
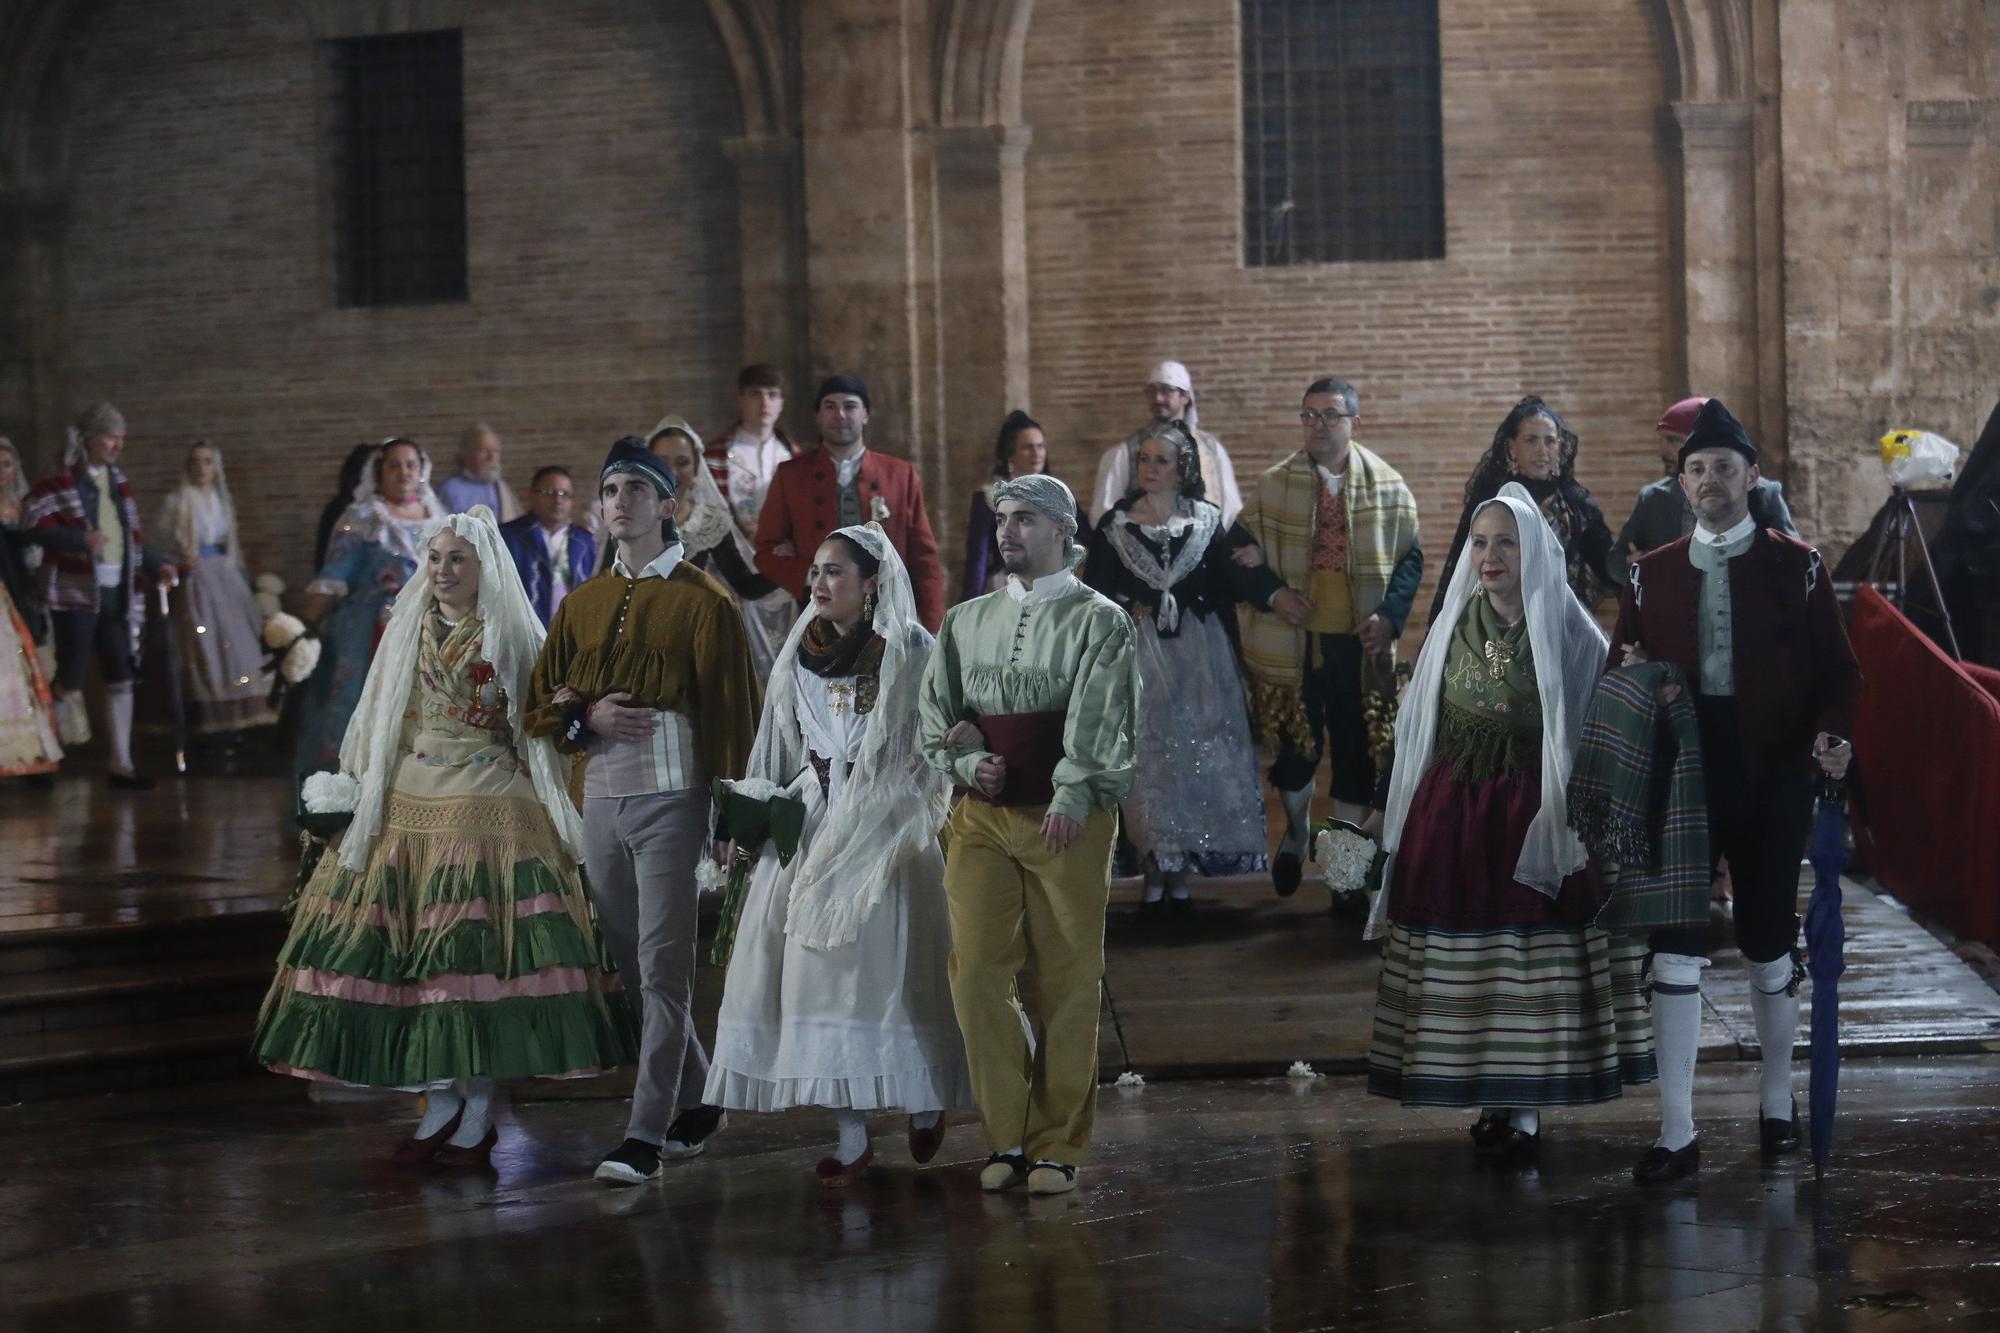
[1454, 869]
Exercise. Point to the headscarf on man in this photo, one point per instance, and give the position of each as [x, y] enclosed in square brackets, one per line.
[1568, 650]
[97, 419]
[1049, 495]
[1175, 374]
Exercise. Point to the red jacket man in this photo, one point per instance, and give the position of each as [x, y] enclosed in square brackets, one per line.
[841, 484]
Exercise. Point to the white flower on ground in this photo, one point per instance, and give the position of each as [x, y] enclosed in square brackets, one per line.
[1300, 1069]
[1131, 1079]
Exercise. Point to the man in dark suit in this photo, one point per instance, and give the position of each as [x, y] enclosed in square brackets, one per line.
[840, 484]
[1748, 615]
[552, 554]
[1663, 514]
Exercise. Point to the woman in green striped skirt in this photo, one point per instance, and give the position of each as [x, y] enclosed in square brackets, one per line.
[446, 940]
[1496, 990]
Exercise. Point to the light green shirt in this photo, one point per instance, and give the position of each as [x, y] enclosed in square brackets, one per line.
[1715, 629]
[1059, 645]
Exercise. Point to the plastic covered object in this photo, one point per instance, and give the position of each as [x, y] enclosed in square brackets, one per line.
[1919, 459]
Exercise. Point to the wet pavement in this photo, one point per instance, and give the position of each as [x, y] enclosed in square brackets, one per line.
[1244, 1204]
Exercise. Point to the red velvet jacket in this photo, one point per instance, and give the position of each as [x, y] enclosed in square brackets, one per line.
[1795, 671]
[803, 506]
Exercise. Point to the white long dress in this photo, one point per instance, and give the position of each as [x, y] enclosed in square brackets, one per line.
[863, 1026]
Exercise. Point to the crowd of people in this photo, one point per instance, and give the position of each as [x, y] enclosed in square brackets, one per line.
[543, 717]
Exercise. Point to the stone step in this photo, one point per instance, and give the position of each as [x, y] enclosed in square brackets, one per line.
[73, 1062]
[130, 996]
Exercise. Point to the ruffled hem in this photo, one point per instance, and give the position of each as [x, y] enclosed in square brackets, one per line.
[936, 1088]
[385, 1047]
[469, 945]
[1208, 865]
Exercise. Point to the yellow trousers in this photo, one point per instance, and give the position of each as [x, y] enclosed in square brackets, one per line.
[1015, 903]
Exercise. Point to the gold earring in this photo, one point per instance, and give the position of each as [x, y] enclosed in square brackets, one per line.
[868, 607]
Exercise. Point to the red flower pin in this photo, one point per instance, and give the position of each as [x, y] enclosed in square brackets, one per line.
[481, 672]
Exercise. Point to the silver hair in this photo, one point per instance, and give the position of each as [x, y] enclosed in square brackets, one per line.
[97, 419]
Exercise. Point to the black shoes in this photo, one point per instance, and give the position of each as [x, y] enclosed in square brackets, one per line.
[633, 1162]
[688, 1135]
[1286, 870]
[1661, 1167]
[1778, 1137]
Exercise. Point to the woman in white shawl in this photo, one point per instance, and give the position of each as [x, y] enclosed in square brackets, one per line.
[716, 545]
[838, 991]
[445, 940]
[224, 678]
[1496, 990]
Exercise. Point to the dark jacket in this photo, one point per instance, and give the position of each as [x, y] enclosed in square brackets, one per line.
[1212, 588]
[982, 548]
[1664, 515]
[1795, 672]
[530, 549]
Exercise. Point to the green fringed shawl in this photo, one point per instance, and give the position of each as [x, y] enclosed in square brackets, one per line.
[1491, 719]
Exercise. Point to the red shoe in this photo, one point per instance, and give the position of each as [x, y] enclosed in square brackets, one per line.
[834, 1174]
[414, 1151]
[924, 1143]
[450, 1157]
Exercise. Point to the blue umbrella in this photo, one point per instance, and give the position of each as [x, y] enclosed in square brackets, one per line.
[1826, 938]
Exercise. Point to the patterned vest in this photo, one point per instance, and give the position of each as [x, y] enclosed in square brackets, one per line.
[1333, 600]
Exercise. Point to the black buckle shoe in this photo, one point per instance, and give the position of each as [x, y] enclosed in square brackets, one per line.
[1286, 870]
[1660, 1167]
[1778, 1137]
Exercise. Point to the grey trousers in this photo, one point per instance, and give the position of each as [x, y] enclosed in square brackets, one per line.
[641, 852]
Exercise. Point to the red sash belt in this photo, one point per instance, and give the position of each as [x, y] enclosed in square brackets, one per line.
[1032, 745]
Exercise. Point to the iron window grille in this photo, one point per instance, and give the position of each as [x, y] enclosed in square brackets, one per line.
[399, 169]
[1343, 138]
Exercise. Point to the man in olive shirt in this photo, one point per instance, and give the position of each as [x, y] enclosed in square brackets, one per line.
[647, 672]
[1030, 701]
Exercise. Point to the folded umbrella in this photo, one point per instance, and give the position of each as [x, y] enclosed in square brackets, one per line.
[1826, 940]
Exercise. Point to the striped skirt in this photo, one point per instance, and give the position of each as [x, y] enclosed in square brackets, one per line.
[1544, 1015]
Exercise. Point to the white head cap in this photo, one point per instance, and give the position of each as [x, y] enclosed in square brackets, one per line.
[1175, 374]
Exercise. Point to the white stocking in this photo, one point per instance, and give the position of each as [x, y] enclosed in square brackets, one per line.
[1177, 885]
[479, 1097]
[441, 1103]
[1677, 1039]
[1298, 819]
[853, 1127]
[1777, 1019]
[118, 726]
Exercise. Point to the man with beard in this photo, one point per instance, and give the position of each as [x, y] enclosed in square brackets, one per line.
[844, 484]
[479, 481]
[1169, 397]
[647, 673]
[1748, 615]
[1663, 513]
[1030, 703]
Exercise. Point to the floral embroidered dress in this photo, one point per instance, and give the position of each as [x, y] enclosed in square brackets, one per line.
[466, 947]
[27, 708]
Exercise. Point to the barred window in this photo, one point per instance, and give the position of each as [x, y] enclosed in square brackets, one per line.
[1343, 140]
[399, 169]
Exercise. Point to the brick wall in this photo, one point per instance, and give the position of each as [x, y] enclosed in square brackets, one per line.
[1557, 278]
[603, 260]
[1892, 280]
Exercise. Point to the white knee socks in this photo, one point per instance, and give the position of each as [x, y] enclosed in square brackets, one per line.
[1298, 819]
[118, 726]
[441, 1103]
[1177, 885]
[1777, 1017]
[925, 1119]
[1677, 1041]
[853, 1136]
[479, 1093]
[1156, 888]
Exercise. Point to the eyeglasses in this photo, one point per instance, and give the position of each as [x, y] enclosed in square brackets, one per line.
[1326, 419]
[556, 495]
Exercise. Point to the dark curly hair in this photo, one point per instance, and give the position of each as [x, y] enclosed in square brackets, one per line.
[1003, 449]
[1187, 458]
[1493, 472]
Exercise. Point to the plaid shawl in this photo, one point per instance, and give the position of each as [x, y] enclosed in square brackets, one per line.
[1637, 799]
[1381, 528]
[57, 503]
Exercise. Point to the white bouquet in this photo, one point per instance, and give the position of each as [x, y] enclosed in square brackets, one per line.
[281, 631]
[330, 793]
[299, 659]
[1345, 855]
